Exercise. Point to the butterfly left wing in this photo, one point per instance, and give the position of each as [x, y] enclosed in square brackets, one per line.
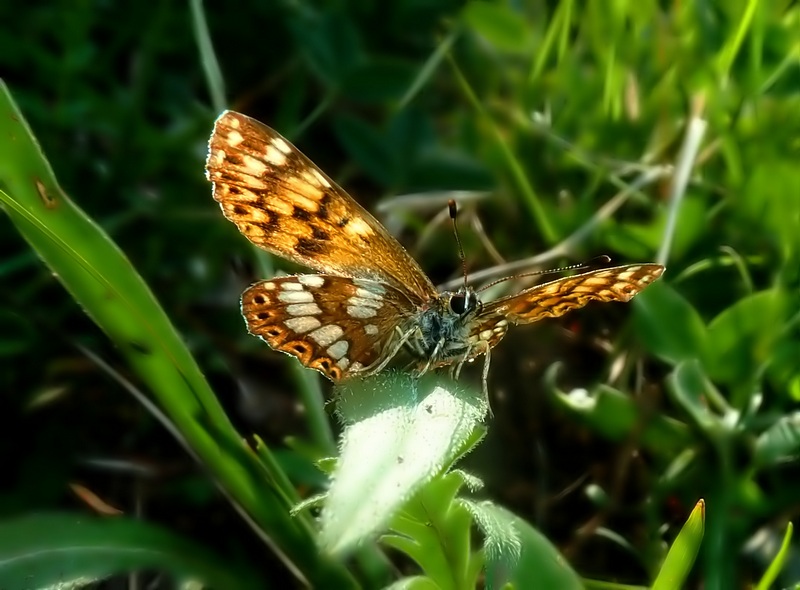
[286, 205]
[554, 299]
[336, 325]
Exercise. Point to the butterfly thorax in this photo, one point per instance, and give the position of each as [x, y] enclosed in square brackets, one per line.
[444, 327]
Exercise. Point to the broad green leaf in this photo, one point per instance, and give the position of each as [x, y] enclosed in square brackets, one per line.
[540, 565]
[742, 338]
[399, 433]
[694, 392]
[617, 416]
[72, 550]
[784, 370]
[667, 324]
[433, 529]
[771, 200]
[780, 442]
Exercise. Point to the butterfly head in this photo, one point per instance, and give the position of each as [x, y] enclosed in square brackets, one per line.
[463, 302]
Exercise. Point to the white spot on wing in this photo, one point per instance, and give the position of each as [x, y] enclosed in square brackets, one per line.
[279, 143]
[368, 294]
[326, 335]
[234, 138]
[343, 363]
[338, 349]
[274, 156]
[486, 334]
[315, 281]
[296, 297]
[303, 309]
[358, 227]
[361, 302]
[288, 286]
[356, 366]
[361, 312]
[370, 286]
[371, 329]
[322, 180]
[302, 324]
[255, 167]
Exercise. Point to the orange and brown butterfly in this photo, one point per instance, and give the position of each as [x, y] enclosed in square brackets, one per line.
[370, 298]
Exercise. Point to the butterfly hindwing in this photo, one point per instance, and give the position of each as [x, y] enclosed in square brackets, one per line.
[336, 325]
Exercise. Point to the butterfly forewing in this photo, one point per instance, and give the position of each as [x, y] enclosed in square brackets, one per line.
[555, 298]
[336, 325]
[284, 204]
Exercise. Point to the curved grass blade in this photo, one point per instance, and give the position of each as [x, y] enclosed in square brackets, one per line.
[102, 280]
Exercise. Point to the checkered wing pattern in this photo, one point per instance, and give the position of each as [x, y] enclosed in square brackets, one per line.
[555, 298]
[284, 204]
[336, 325]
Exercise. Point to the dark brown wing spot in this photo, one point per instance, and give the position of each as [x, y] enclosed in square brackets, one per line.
[343, 221]
[259, 300]
[302, 350]
[300, 213]
[320, 234]
[274, 332]
[323, 203]
[240, 210]
[272, 222]
[308, 247]
[263, 315]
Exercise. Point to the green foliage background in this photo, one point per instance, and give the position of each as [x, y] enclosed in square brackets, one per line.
[549, 112]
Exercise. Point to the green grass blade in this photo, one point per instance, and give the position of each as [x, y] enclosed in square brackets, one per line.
[71, 551]
[102, 280]
[777, 564]
[681, 556]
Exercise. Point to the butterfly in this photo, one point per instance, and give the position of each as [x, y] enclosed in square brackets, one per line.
[370, 299]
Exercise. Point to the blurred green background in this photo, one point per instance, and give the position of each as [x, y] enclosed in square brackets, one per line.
[563, 129]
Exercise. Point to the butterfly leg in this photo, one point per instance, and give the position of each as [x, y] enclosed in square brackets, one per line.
[485, 380]
[392, 353]
[456, 371]
[433, 356]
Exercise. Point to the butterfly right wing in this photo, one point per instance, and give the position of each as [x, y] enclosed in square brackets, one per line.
[555, 298]
[286, 205]
[336, 325]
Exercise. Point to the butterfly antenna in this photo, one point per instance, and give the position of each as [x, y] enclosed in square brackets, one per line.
[453, 208]
[597, 260]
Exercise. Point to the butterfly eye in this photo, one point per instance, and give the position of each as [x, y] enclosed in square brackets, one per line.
[463, 303]
[458, 303]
